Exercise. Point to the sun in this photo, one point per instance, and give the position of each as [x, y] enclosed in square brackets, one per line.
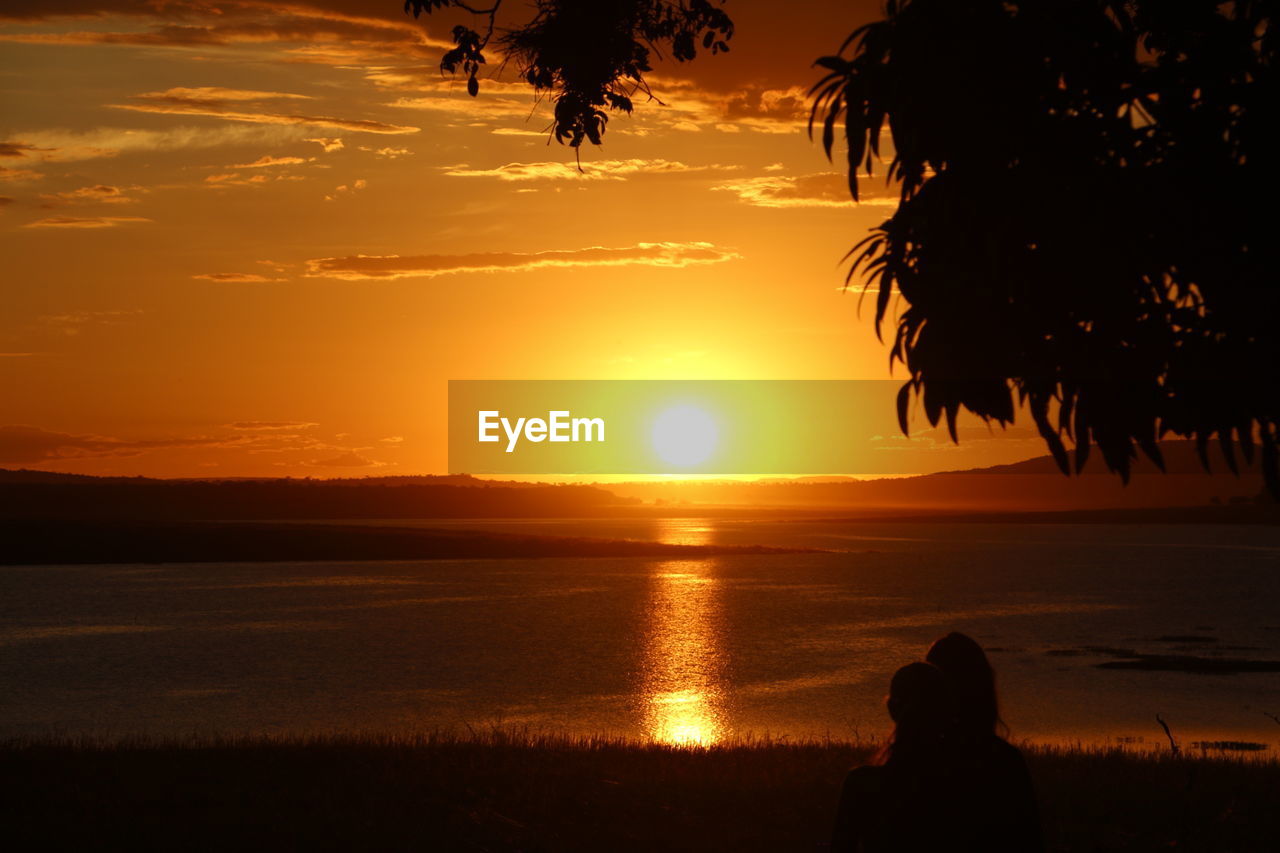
[684, 435]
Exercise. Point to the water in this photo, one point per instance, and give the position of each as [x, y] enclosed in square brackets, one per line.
[680, 651]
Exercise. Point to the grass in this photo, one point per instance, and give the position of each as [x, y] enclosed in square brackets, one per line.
[505, 789]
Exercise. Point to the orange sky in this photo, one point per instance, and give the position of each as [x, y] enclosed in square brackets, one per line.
[257, 238]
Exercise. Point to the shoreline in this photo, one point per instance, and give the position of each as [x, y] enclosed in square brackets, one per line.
[520, 737]
[106, 540]
[109, 541]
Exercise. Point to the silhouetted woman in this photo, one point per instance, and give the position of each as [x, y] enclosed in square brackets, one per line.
[903, 801]
[1001, 810]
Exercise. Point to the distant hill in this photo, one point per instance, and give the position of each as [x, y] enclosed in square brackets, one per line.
[1033, 485]
[26, 475]
[68, 496]
[1179, 457]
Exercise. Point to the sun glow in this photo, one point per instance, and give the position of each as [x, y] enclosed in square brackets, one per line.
[684, 435]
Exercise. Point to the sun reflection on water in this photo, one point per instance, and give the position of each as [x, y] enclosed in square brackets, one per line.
[683, 678]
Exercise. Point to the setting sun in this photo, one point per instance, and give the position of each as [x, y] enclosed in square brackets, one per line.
[685, 435]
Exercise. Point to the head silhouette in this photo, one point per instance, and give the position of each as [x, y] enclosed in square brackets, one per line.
[918, 703]
[971, 682]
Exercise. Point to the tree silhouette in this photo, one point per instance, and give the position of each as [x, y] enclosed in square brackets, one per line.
[1080, 222]
[1084, 225]
[592, 54]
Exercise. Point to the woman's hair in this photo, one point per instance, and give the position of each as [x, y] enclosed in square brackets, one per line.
[971, 682]
[919, 705]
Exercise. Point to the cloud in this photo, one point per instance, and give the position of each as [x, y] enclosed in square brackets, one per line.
[7, 174]
[822, 189]
[160, 36]
[366, 267]
[85, 221]
[72, 323]
[205, 94]
[236, 277]
[939, 438]
[326, 34]
[61, 146]
[612, 170]
[267, 160]
[328, 143]
[687, 105]
[355, 186]
[427, 78]
[246, 106]
[18, 149]
[99, 194]
[769, 110]
[471, 108]
[236, 179]
[5, 200]
[389, 153]
[23, 444]
[515, 131]
[271, 425]
[350, 459]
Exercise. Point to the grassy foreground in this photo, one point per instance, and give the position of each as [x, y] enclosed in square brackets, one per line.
[503, 790]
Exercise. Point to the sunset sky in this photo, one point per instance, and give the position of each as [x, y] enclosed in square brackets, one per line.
[257, 238]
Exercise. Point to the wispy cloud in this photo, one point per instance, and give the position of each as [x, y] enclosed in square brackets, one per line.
[598, 170]
[74, 322]
[24, 444]
[473, 109]
[246, 106]
[97, 194]
[328, 143]
[18, 149]
[236, 277]
[205, 94]
[85, 221]
[16, 175]
[61, 146]
[267, 160]
[347, 189]
[322, 34]
[516, 131]
[350, 459]
[388, 152]
[364, 267]
[428, 79]
[238, 179]
[271, 425]
[822, 189]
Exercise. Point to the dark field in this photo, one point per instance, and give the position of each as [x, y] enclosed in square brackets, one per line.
[501, 790]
